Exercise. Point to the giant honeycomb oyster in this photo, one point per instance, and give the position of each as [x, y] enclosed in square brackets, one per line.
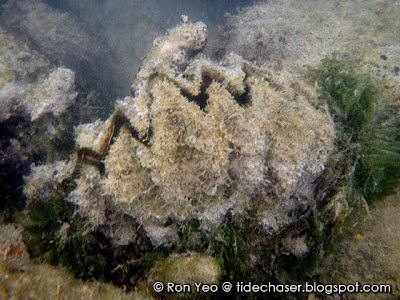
[198, 139]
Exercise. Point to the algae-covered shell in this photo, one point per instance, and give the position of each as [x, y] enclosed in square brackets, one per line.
[196, 142]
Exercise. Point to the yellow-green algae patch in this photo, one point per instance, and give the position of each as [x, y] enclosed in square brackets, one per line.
[186, 269]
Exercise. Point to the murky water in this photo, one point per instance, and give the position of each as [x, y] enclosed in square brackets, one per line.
[271, 184]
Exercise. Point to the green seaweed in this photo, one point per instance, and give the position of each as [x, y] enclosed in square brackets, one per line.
[365, 166]
[367, 133]
[55, 235]
[230, 243]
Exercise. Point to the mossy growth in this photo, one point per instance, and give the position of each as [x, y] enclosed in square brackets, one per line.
[187, 268]
[367, 132]
[230, 244]
[55, 235]
[366, 164]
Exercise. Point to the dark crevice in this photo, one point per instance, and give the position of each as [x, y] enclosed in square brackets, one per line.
[15, 162]
[202, 98]
[122, 121]
[244, 98]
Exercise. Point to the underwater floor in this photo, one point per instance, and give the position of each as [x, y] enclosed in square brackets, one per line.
[199, 149]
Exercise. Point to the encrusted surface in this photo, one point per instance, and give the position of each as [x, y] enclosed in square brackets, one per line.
[198, 138]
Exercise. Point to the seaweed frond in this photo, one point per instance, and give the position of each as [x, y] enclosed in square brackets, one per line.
[54, 235]
[367, 132]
